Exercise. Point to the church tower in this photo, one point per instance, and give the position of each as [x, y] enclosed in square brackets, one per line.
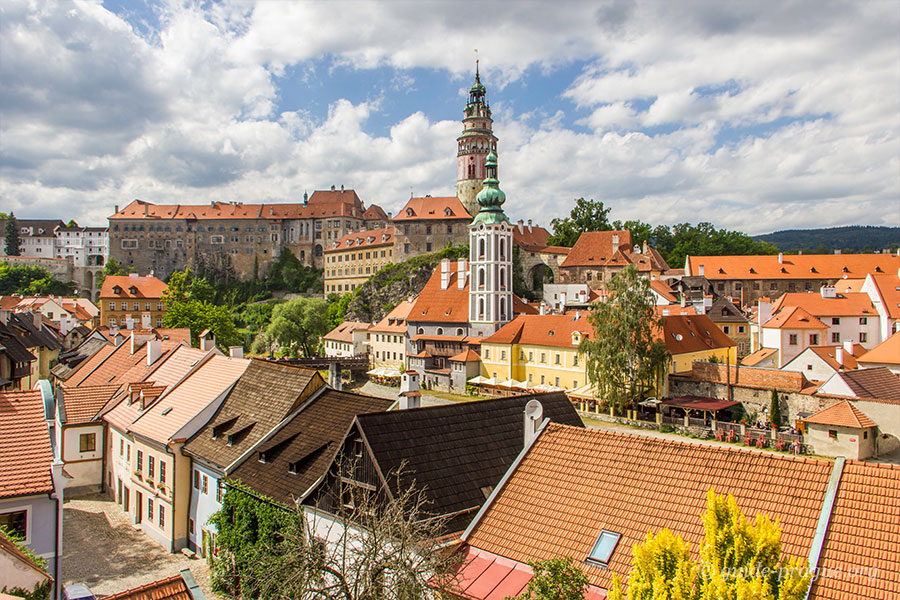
[490, 258]
[476, 141]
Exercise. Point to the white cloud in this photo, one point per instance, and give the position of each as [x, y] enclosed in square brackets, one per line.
[755, 116]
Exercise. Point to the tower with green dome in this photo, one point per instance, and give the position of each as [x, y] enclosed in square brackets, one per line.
[476, 141]
[490, 258]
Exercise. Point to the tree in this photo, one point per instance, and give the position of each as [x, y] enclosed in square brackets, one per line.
[113, 267]
[337, 308]
[376, 547]
[738, 560]
[624, 359]
[300, 324]
[13, 243]
[30, 281]
[556, 579]
[586, 215]
[775, 410]
[189, 303]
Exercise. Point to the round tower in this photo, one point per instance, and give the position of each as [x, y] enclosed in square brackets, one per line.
[476, 141]
[490, 258]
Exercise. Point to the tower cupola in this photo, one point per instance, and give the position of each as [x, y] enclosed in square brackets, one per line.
[491, 198]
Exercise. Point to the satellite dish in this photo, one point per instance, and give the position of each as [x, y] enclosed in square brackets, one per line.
[534, 410]
[679, 337]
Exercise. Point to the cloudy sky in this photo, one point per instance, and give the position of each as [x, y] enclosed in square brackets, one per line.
[756, 115]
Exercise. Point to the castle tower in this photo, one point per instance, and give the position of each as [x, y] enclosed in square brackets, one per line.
[475, 143]
[490, 258]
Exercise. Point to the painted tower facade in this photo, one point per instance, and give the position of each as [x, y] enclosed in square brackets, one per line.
[474, 144]
[490, 258]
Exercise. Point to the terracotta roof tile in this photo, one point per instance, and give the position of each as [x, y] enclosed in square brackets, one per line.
[693, 333]
[170, 413]
[829, 355]
[466, 356]
[145, 287]
[851, 304]
[83, 403]
[25, 441]
[532, 237]
[794, 317]
[395, 321]
[595, 248]
[433, 208]
[543, 330]
[803, 266]
[575, 482]
[171, 588]
[344, 331]
[887, 286]
[877, 382]
[751, 360]
[369, 238]
[887, 352]
[843, 414]
[263, 395]
[663, 289]
[117, 364]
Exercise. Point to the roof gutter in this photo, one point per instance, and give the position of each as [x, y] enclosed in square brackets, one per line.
[506, 477]
[815, 551]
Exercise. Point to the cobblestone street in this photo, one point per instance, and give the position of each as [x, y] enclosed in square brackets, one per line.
[102, 549]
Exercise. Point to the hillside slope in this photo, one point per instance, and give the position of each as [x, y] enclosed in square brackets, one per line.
[856, 238]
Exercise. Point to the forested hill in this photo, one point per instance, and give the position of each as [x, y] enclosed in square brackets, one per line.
[857, 238]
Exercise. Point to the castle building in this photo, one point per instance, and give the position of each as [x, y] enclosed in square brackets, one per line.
[490, 258]
[475, 143]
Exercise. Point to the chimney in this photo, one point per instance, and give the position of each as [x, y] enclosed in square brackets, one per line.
[646, 248]
[342, 187]
[38, 319]
[839, 355]
[207, 341]
[532, 416]
[665, 312]
[683, 301]
[562, 301]
[763, 311]
[129, 322]
[332, 188]
[529, 225]
[410, 396]
[146, 323]
[117, 208]
[154, 351]
[700, 271]
[145, 210]
[445, 273]
[461, 272]
[136, 275]
[138, 339]
[521, 226]
[848, 347]
[543, 309]
[4, 316]
[390, 216]
[828, 291]
[781, 258]
[305, 199]
[615, 242]
[577, 315]
[236, 351]
[837, 250]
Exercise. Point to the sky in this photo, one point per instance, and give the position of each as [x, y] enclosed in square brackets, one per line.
[756, 116]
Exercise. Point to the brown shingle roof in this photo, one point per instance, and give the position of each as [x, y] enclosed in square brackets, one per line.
[843, 414]
[575, 482]
[456, 450]
[25, 442]
[877, 382]
[264, 395]
[299, 454]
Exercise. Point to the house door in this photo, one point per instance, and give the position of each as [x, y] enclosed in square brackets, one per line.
[125, 504]
[138, 507]
[119, 490]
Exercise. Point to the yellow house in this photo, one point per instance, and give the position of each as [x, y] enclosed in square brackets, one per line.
[389, 337]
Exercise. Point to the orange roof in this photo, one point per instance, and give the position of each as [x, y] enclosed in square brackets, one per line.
[663, 289]
[118, 366]
[466, 356]
[849, 285]
[794, 317]
[888, 288]
[842, 414]
[344, 331]
[574, 483]
[83, 403]
[674, 310]
[693, 333]
[446, 207]
[801, 266]
[595, 248]
[363, 239]
[829, 355]
[861, 545]
[850, 304]
[445, 306]
[887, 352]
[171, 588]
[395, 321]
[757, 357]
[126, 287]
[543, 330]
[533, 237]
[25, 440]
[182, 403]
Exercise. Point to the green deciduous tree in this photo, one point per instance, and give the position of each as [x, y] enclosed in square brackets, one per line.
[300, 324]
[189, 303]
[337, 308]
[289, 274]
[13, 243]
[739, 560]
[30, 281]
[113, 267]
[625, 359]
[556, 579]
[586, 215]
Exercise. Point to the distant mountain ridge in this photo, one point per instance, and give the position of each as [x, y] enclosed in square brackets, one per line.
[854, 238]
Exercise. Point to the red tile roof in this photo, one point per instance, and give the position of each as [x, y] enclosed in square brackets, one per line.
[119, 365]
[794, 317]
[433, 208]
[887, 352]
[395, 321]
[530, 238]
[25, 441]
[344, 331]
[842, 414]
[804, 266]
[574, 483]
[595, 249]
[693, 333]
[466, 356]
[445, 306]
[145, 287]
[757, 357]
[829, 355]
[888, 288]
[851, 304]
[83, 403]
[171, 588]
[543, 330]
[663, 289]
[370, 238]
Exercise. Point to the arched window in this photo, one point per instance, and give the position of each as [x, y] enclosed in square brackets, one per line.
[502, 279]
[481, 248]
[502, 249]
[480, 278]
[481, 308]
[440, 331]
[420, 331]
[459, 331]
[502, 309]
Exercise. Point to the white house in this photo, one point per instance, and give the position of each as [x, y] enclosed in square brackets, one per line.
[819, 363]
[350, 338]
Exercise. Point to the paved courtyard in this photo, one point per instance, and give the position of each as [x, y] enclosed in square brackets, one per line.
[102, 549]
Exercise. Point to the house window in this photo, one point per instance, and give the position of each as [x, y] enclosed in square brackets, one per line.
[15, 522]
[863, 338]
[604, 547]
[487, 353]
[835, 320]
[205, 482]
[863, 321]
[543, 359]
[150, 509]
[162, 472]
[575, 361]
[162, 516]
[741, 329]
[556, 359]
[556, 382]
[530, 378]
[809, 367]
[531, 357]
[196, 479]
[140, 461]
[503, 355]
[726, 329]
[832, 433]
[121, 447]
[112, 306]
[543, 380]
[220, 491]
[792, 339]
[773, 286]
[814, 339]
[191, 526]
[151, 461]
[87, 442]
[835, 338]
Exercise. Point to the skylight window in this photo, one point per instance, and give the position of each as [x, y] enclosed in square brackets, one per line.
[604, 547]
[167, 411]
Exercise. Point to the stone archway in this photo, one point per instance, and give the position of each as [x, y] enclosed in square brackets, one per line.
[537, 276]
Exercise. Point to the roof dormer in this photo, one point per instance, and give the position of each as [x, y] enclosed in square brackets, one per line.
[409, 212]
[117, 289]
[133, 290]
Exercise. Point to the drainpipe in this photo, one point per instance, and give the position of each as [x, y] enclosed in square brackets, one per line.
[56, 474]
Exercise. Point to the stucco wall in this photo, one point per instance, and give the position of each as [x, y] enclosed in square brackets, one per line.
[40, 524]
[84, 467]
[202, 506]
[851, 443]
